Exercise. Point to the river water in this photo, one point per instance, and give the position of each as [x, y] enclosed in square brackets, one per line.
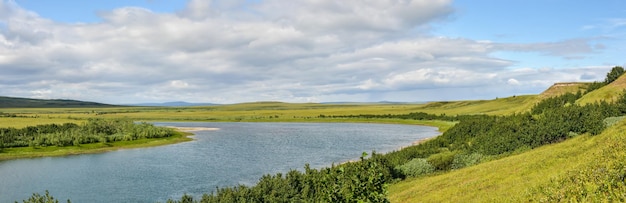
[237, 153]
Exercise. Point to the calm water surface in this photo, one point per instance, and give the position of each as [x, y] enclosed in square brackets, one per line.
[238, 153]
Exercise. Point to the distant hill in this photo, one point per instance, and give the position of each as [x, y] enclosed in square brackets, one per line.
[15, 102]
[561, 88]
[608, 93]
[174, 104]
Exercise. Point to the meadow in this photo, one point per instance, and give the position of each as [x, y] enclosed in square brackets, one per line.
[266, 112]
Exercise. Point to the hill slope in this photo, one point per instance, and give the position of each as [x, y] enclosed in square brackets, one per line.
[500, 106]
[528, 175]
[561, 88]
[608, 93]
[14, 102]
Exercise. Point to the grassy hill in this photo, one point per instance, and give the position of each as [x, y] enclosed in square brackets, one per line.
[500, 106]
[590, 161]
[582, 169]
[13, 102]
[563, 87]
[607, 93]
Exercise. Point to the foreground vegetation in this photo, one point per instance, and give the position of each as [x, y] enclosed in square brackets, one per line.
[582, 169]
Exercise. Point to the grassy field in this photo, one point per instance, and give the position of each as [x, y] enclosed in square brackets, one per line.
[27, 121]
[263, 111]
[518, 178]
[281, 112]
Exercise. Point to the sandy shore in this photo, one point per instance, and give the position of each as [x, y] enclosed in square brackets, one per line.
[192, 129]
[420, 141]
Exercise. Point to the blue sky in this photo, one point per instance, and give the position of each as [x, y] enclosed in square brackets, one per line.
[303, 51]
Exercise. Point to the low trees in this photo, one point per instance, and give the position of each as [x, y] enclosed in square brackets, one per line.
[615, 73]
[70, 134]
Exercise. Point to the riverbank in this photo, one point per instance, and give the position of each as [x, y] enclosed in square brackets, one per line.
[54, 151]
[192, 129]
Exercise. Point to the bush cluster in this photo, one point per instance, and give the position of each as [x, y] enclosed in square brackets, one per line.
[70, 134]
[416, 167]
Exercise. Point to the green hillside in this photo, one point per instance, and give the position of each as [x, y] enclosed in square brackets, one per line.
[499, 106]
[582, 168]
[591, 162]
[14, 102]
[608, 93]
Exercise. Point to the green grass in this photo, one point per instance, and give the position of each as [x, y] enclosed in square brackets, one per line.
[264, 111]
[24, 122]
[517, 178]
[499, 106]
[32, 152]
[608, 93]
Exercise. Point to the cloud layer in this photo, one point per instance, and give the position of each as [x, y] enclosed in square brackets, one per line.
[293, 51]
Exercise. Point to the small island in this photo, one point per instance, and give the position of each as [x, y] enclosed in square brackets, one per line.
[93, 136]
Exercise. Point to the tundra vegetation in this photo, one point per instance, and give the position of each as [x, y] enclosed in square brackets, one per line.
[479, 139]
[90, 136]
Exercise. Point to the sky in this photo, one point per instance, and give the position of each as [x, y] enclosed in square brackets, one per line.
[234, 51]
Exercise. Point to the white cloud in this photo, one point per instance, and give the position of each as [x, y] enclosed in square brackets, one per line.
[179, 84]
[234, 51]
[513, 81]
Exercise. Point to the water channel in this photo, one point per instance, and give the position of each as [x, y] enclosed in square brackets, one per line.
[237, 153]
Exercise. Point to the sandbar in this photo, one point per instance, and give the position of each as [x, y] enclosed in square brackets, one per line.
[192, 129]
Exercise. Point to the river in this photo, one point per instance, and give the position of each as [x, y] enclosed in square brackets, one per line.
[237, 153]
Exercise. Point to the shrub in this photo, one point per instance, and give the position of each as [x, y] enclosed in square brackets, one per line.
[610, 121]
[442, 161]
[465, 160]
[416, 167]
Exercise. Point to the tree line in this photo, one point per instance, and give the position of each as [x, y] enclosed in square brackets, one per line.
[410, 116]
[95, 130]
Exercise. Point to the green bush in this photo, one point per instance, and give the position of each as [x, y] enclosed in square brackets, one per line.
[465, 160]
[416, 167]
[70, 134]
[37, 198]
[610, 121]
[442, 161]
